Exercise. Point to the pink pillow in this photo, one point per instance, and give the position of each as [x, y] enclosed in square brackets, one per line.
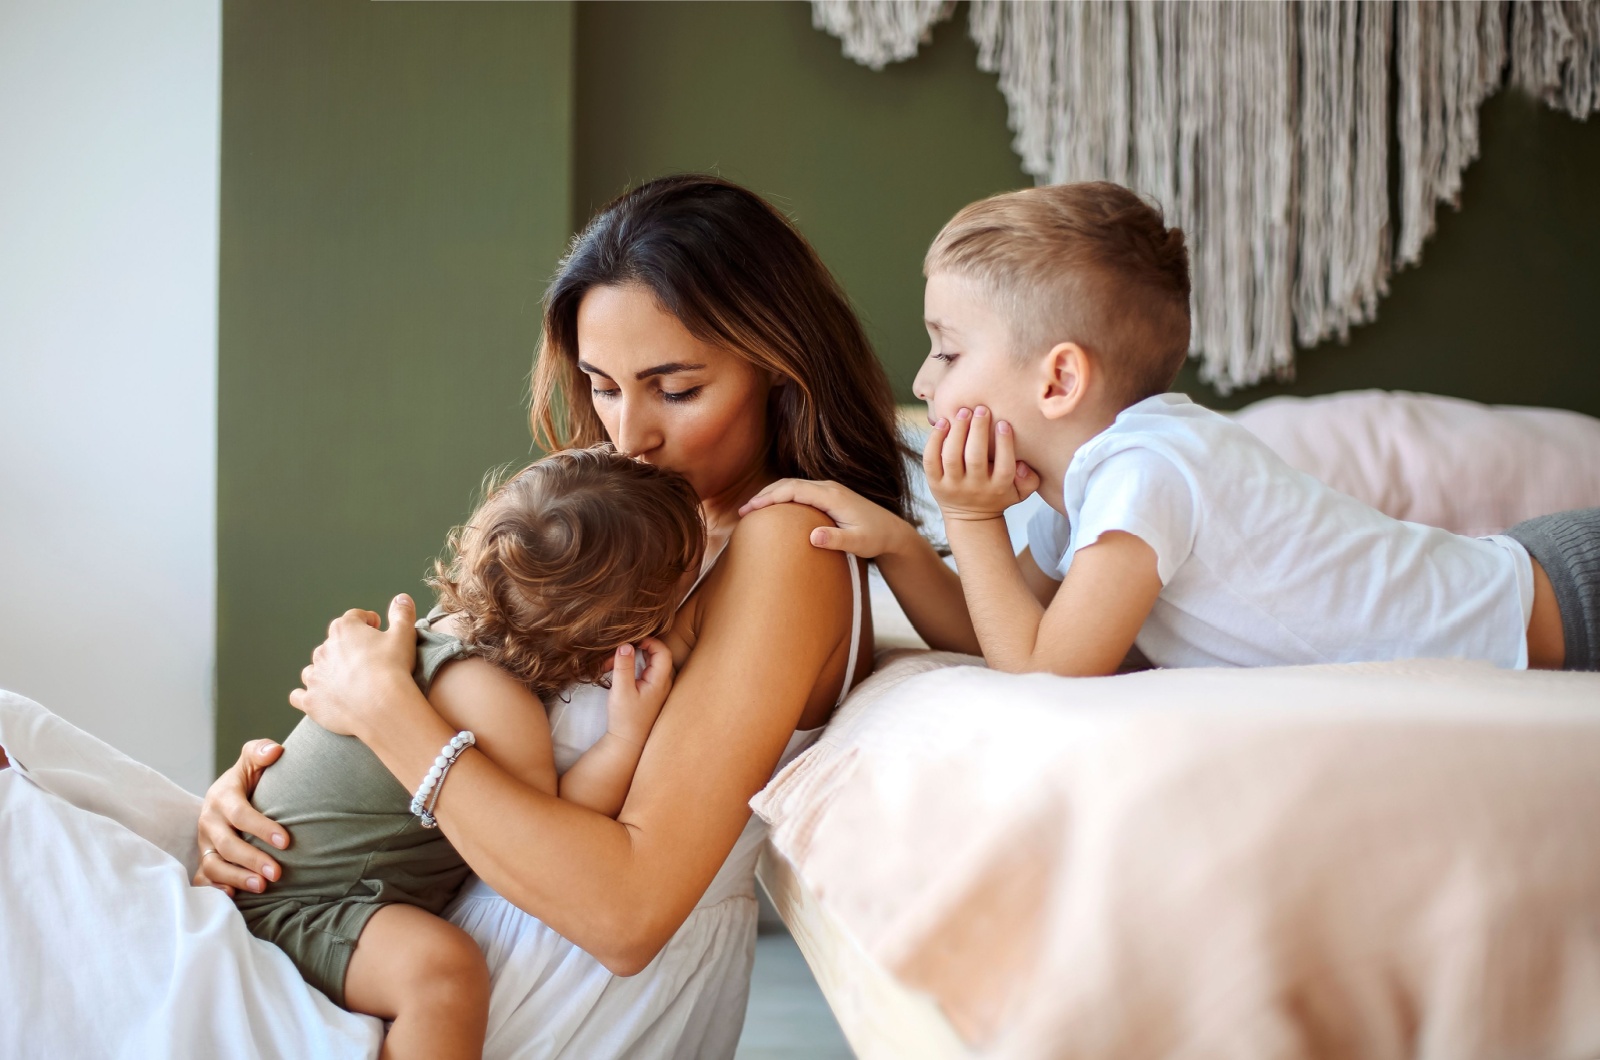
[1469, 468]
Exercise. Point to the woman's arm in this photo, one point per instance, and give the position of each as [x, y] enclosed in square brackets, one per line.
[773, 638]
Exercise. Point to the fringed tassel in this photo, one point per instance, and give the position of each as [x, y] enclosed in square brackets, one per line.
[1555, 53]
[876, 33]
[1263, 130]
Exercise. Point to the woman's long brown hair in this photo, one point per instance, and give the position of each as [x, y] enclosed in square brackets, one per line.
[736, 274]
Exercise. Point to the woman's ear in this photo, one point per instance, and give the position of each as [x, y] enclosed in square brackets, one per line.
[1065, 374]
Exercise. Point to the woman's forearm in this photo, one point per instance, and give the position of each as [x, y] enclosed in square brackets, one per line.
[522, 841]
[930, 594]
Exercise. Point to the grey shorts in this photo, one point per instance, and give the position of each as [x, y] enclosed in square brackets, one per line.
[1567, 546]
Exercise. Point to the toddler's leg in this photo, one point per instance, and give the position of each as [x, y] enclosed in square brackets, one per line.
[425, 974]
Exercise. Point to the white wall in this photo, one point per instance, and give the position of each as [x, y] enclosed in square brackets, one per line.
[109, 117]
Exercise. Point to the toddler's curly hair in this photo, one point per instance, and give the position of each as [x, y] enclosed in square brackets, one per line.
[568, 559]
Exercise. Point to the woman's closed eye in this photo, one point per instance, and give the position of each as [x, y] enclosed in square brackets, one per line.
[947, 358]
[682, 395]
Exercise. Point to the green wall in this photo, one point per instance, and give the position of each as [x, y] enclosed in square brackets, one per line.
[870, 164]
[396, 186]
[398, 181]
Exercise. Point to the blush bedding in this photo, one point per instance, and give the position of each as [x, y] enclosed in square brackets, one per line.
[1371, 860]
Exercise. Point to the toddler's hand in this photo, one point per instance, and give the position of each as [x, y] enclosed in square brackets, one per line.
[864, 528]
[961, 476]
[633, 704]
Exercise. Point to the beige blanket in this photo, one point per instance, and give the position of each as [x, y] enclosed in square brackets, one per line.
[1372, 861]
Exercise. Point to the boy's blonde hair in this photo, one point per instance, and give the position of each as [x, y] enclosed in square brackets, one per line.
[1090, 263]
[567, 560]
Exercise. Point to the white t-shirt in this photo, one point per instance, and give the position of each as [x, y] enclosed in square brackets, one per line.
[1262, 565]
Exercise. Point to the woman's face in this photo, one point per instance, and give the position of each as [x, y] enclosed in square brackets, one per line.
[669, 399]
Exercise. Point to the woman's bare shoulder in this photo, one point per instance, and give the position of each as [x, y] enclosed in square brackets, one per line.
[770, 552]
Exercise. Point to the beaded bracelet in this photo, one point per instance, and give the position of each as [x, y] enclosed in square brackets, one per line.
[427, 796]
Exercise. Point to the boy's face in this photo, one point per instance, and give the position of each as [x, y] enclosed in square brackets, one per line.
[972, 361]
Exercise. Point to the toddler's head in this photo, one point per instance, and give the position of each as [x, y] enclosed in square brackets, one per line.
[1089, 265]
[567, 560]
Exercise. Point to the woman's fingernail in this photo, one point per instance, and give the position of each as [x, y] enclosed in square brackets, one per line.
[254, 884]
[626, 649]
[942, 424]
[981, 410]
[1003, 427]
[402, 599]
[819, 536]
[267, 748]
[269, 872]
[962, 414]
[278, 840]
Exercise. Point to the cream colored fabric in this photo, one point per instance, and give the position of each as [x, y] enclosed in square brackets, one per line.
[1390, 860]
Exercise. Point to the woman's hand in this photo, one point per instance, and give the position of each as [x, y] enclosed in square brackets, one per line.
[228, 862]
[864, 529]
[354, 672]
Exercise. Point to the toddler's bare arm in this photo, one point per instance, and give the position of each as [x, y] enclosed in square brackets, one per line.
[601, 778]
[507, 719]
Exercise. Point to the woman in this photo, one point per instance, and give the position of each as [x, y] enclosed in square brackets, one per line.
[694, 328]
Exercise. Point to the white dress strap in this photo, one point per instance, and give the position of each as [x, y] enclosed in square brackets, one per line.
[855, 625]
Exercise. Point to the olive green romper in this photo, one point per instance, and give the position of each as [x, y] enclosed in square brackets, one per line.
[357, 847]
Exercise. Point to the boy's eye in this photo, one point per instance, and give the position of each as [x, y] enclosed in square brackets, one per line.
[681, 395]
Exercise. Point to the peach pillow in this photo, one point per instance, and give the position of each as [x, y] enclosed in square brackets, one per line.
[1469, 468]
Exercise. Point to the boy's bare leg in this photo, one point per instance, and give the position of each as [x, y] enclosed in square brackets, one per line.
[425, 974]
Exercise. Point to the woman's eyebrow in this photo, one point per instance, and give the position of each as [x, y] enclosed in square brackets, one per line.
[670, 368]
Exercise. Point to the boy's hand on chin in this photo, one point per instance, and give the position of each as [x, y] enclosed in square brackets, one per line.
[967, 483]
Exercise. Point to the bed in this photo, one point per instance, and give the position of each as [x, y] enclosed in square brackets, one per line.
[1376, 860]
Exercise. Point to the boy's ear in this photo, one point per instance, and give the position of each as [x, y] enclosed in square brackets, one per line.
[1064, 377]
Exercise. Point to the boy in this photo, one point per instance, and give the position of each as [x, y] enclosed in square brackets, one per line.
[1059, 316]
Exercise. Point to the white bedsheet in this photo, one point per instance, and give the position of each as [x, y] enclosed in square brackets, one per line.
[105, 948]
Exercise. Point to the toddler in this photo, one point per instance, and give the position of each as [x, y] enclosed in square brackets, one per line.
[1059, 317]
[560, 571]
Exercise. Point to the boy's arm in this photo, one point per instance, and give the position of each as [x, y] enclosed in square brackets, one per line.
[600, 779]
[1092, 618]
[1090, 624]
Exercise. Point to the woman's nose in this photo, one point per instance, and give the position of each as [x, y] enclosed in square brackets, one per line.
[920, 385]
[635, 434]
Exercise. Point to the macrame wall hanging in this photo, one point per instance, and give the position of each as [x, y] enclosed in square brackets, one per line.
[1262, 128]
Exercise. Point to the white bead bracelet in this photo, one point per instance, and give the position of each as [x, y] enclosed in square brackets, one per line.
[427, 796]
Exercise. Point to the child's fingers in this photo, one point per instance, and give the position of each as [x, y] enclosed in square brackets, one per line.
[823, 496]
[1005, 452]
[977, 448]
[1027, 480]
[933, 452]
[622, 672]
[955, 443]
[658, 665]
[777, 493]
[835, 539]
